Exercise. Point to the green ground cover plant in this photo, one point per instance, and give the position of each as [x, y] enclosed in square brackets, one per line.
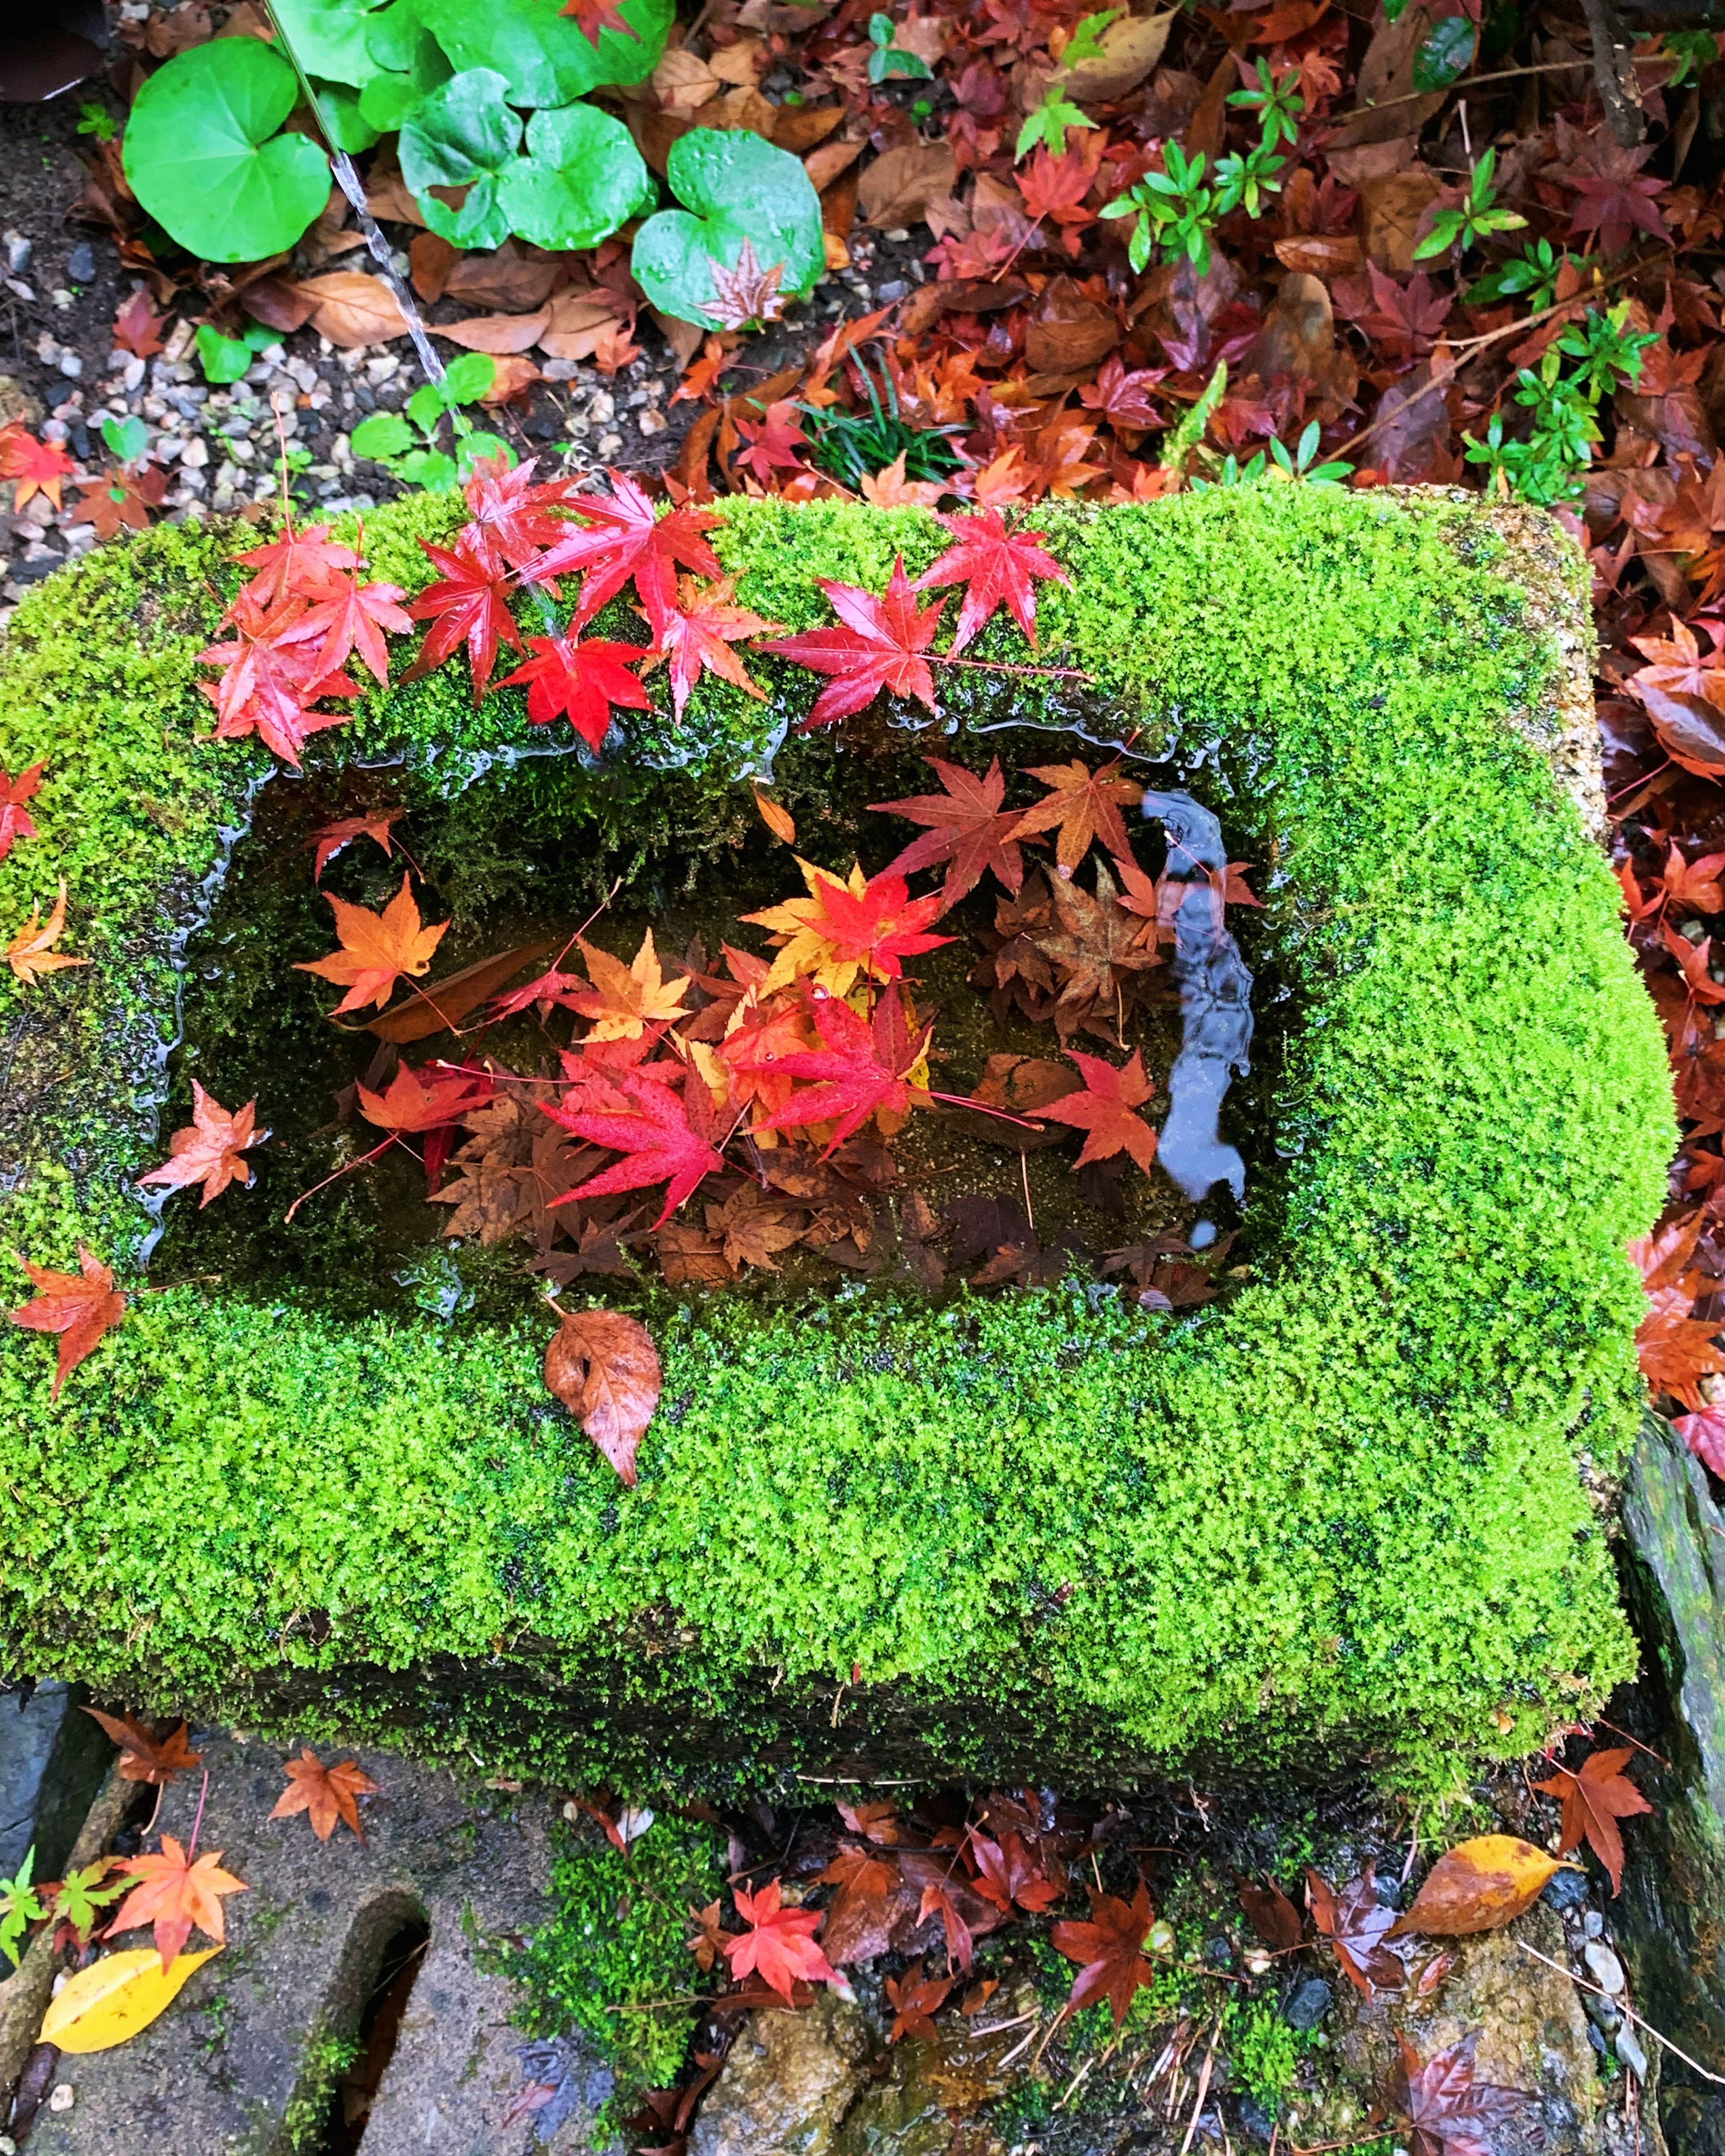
[1338, 1512]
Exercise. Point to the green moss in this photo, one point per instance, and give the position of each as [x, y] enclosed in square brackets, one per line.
[1339, 1515]
[613, 1960]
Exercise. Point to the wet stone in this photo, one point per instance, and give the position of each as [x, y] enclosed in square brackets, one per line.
[789, 2081]
[1310, 2002]
[1565, 1890]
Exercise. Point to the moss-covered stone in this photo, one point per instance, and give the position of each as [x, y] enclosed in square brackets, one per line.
[1340, 1514]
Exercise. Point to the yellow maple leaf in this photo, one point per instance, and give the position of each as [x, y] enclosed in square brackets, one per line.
[624, 1000]
[376, 948]
[805, 951]
[31, 952]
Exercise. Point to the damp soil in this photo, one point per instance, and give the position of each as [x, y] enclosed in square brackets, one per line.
[254, 1028]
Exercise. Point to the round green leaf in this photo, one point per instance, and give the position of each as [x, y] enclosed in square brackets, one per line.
[338, 104]
[202, 156]
[384, 435]
[1444, 53]
[223, 358]
[467, 379]
[582, 177]
[738, 187]
[547, 59]
[408, 64]
[329, 38]
[463, 134]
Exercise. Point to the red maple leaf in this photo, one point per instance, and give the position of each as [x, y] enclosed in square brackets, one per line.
[1615, 199]
[1007, 1872]
[864, 1068]
[593, 16]
[1123, 399]
[882, 927]
[916, 1998]
[581, 681]
[621, 538]
[15, 817]
[354, 620]
[304, 563]
[1110, 1948]
[38, 467]
[268, 681]
[1056, 186]
[1693, 963]
[996, 567]
[80, 1306]
[966, 826]
[329, 838]
[1449, 2114]
[424, 1100]
[512, 516]
[1704, 1434]
[136, 325]
[467, 604]
[1403, 319]
[1104, 1110]
[879, 646]
[1355, 1923]
[779, 1944]
[208, 1149]
[696, 635]
[665, 1137]
[775, 441]
[1594, 1801]
[1692, 885]
[1085, 805]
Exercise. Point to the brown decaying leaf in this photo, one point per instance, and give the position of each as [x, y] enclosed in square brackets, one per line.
[1594, 1801]
[156, 1760]
[440, 1005]
[604, 1369]
[1357, 1924]
[1448, 2112]
[1272, 1915]
[1478, 1885]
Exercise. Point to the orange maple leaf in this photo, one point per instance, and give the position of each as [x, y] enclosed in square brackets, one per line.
[1085, 804]
[377, 949]
[156, 1760]
[208, 1150]
[79, 1307]
[31, 952]
[624, 1000]
[326, 1793]
[178, 1891]
[38, 467]
[1594, 1801]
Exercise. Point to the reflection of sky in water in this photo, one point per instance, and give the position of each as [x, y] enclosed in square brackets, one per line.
[1215, 1006]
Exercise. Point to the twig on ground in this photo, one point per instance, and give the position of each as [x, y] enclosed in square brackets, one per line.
[1627, 2011]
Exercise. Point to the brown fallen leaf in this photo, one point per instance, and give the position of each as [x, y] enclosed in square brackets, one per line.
[143, 1757]
[898, 186]
[497, 334]
[439, 1005]
[1478, 1885]
[509, 282]
[350, 308]
[1132, 45]
[1272, 1915]
[604, 1369]
[1594, 1801]
[778, 820]
[1320, 253]
[326, 1794]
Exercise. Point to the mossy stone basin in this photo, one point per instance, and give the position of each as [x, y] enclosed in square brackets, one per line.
[1357, 1509]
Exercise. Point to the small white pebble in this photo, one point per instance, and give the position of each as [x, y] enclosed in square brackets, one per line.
[62, 2097]
[195, 456]
[651, 423]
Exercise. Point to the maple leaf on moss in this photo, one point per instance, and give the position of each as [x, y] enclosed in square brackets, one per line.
[268, 679]
[80, 1306]
[844, 928]
[746, 294]
[208, 1149]
[354, 621]
[1594, 1801]
[36, 467]
[778, 1946]
[377, 949]
[1110, 1948]
[1085, 804]
[31, 953]
[512, 516]
[468, 605]
[155, 1760]
[965, 827]
[695, 636]
[665, 1137]
[864, 1068]
[1105, 1111]
[621, 538]
[326, 1794]
[306, 565]
[624, 1000]
[879, 644]
[997, 567]
[581, 681]
[178, 1891]
[15, 817]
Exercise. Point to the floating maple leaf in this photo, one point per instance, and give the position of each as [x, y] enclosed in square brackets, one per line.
[37, 467]
[468, 605]
[779, 1946]
[377, 949]
[746, 294]
[625, 1000]
[1449, 2114]
[996, 567]
[31, 953]
[1085, 805]
[177, 1893]
[581, 681]
[621, 538]
[326, 1794]
[329, 838]
[80, 1306]
[966, 828]
[1110, 1948]
[15, 817]
[665, 1138]
[880, 644]
[604, 1369]
[1094, 945]
[1594, 1801]
[208, 1150]
[696, 635]
[844, 929]
[1105, 1110]
[862, 1069]
[156, 1760]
